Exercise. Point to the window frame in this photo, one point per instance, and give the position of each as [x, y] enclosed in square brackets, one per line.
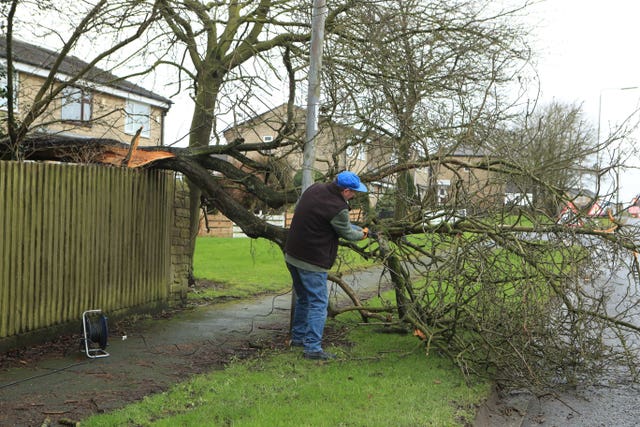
[356, 152]
[134, 118]
[3, 83]
[84, 101]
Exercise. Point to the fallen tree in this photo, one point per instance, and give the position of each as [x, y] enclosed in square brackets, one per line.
[527, 304]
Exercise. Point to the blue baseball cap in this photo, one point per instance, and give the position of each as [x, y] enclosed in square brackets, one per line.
[351, 181]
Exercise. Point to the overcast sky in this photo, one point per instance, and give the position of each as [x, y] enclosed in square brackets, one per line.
[587, 46]
[588, 51]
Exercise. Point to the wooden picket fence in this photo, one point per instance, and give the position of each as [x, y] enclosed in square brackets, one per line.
[80, 237]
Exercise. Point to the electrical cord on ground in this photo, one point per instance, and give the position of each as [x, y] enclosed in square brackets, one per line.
[269, 313]
[54, 371]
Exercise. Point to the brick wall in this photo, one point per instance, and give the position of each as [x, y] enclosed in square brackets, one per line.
[180, 246]
[221, 226]
[215, 225]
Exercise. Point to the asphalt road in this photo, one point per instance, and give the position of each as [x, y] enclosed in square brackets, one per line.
[611, 400]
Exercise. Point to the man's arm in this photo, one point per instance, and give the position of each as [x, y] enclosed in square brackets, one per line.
[344, 228]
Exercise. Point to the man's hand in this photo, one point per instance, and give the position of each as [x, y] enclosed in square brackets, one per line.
[365, 233]
[368, 233]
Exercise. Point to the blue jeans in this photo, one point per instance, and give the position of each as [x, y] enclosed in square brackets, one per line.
[310, 311]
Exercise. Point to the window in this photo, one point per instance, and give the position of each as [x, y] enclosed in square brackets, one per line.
[3, 88]
[76, 105]
[394, 157]
[137, 115]
[350, 151]
[267, 138]
[443, 190]
[356, 152]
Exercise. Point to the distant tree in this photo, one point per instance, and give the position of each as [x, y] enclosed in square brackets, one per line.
[554, 147]
[426, 76]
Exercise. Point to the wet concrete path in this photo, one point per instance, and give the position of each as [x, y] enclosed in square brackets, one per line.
[155, 354]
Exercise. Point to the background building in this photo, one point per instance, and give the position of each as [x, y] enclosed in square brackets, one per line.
[101, 105]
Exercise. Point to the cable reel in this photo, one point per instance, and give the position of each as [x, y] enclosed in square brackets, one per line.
[95, 333]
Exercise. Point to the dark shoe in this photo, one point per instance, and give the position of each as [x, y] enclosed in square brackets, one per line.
[319, 355]
[296, 344]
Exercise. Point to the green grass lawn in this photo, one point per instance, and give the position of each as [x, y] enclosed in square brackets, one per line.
[244, 267]
[384, 379]
[239, 267]
[381, 379]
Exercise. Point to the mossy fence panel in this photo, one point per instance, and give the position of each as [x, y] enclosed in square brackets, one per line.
[81, 237]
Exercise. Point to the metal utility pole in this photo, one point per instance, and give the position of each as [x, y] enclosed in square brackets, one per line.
[617, 169]
[318, 17]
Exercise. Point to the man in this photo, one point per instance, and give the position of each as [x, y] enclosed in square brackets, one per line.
[321, 217]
